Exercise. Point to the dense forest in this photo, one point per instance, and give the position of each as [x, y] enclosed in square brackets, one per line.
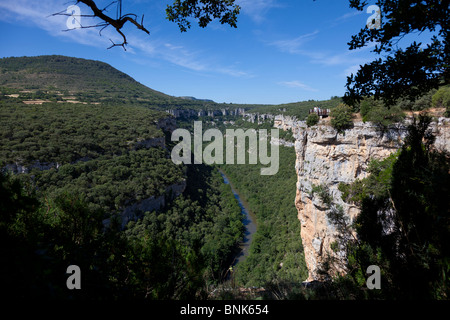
[175, 253]
[66, 132]
[87, 147]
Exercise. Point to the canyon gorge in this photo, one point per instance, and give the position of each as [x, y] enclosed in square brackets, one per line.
[325, 157]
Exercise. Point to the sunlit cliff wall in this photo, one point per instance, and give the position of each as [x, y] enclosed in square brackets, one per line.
[324, 157]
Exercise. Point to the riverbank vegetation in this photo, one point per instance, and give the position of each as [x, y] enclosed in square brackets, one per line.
[276, 259]
[86, 137]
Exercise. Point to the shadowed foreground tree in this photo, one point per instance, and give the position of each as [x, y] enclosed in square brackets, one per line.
[409, 72]
[204, 11]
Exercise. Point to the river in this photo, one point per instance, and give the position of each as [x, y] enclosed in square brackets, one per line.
[249, 220]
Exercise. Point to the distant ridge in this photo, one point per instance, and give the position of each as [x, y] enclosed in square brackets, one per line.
[55, 77]
[195, 99]
[91, 78]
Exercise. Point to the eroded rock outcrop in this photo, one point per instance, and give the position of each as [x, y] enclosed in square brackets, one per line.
[153, 203]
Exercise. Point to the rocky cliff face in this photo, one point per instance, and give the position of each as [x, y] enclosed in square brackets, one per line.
[325, 157]
[154, 203]
[190, 113]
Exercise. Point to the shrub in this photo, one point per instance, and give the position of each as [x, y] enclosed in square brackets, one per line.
[368, 104]
[376, 112]
[424, 102]
[341, 117]
[383, 117]
[312, 119]
[442, 99]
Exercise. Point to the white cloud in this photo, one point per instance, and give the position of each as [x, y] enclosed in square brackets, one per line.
[349, 59]
[348, 15]
[334, 60]
[181, 56]
[294, 45]
[351, 70]
[40, 14]
[257, 9]
[297, 84]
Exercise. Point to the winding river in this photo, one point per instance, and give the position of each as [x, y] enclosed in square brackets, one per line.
[249, 220]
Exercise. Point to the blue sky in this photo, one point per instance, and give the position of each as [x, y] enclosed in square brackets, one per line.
[282, 51]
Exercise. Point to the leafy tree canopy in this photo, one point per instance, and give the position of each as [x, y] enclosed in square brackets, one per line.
[204, 11]
[341, 117]
[408, 72]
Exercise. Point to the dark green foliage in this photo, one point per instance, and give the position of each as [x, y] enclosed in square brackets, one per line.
[66, 133]
[441, 99]
[323, 193]
[341, 118]
[99, 164]
[110, 183]
[206, 216]
[168, 255]
[424, 102]
[312, 119]
[286, 135]
[205, 11]
[403, 72]
[383, 117]
[95, 151]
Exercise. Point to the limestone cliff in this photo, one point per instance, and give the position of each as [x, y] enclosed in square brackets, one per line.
[153, 203]
[325, 157]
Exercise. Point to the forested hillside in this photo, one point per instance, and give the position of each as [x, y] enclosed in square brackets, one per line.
[80, 144]
[66, 79]
[67, 132]
[175, 253]
[53, 77]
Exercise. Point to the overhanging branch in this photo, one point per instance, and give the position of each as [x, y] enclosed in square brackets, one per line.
[117, 23]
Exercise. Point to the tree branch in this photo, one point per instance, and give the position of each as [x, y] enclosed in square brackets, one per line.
[117, 23]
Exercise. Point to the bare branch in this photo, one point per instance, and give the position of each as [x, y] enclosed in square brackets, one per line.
[117, 23]
[119, 44]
